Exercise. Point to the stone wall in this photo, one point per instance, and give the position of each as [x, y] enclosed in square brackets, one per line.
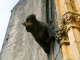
[19, 44]
[67, 12]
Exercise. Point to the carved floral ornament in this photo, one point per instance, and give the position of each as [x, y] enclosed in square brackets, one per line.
[69, 19]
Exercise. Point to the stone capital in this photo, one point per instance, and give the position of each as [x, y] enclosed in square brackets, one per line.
[70, 19]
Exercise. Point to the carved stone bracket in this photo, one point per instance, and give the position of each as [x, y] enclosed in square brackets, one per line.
[69, 19]
[61, 35]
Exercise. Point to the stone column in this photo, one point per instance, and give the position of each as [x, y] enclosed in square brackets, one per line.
[61, 7]
[70, 24]
[64, 45]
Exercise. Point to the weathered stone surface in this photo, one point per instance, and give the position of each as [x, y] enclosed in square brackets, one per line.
[20, 44]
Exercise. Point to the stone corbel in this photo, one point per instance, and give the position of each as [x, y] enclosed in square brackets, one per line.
[70, 24]
[62, 37]
[69, 20]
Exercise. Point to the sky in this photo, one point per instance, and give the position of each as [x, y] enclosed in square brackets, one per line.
[5, 13]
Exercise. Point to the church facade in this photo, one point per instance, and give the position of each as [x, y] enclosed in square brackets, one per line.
[62, 15]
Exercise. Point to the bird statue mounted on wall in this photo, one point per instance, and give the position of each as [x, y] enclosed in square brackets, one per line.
[42, 33]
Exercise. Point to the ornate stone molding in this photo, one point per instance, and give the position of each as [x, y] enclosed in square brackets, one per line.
[60, 36]
[69, 19]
